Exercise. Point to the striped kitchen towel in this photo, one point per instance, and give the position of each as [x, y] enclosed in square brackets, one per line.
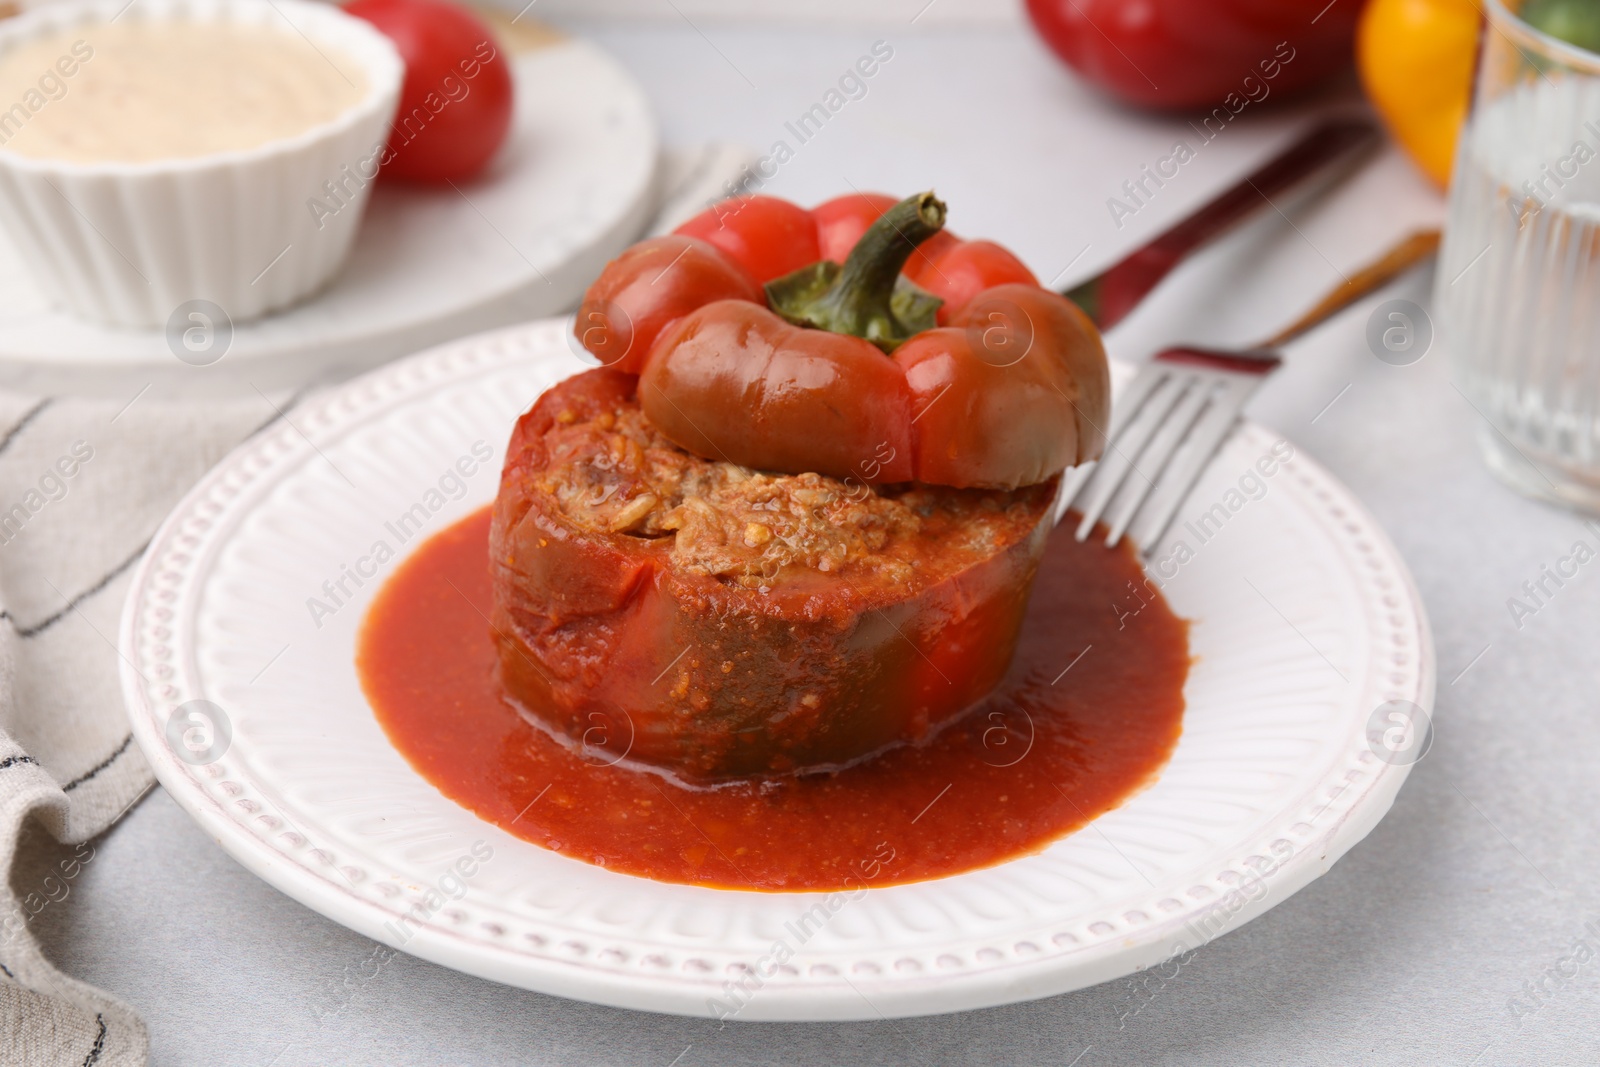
[83, 486]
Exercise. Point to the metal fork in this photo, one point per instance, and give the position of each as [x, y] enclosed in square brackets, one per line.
[1179, 408]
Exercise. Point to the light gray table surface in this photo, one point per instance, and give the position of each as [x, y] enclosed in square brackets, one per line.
[1471, 892]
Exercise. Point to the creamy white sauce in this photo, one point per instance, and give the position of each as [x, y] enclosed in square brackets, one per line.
[138, 92]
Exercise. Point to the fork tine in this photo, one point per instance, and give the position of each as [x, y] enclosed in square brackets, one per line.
[1123, 451]
[1071, 482]
[1198, 391]
[1208, 435]
[1128, 406]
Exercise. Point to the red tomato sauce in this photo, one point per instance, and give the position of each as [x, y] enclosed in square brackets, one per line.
[1089, 712]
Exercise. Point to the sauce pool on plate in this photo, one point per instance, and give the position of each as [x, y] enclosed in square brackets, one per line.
[1088, 713]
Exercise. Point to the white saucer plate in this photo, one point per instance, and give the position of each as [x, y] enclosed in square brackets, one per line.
[574, 184]
[1304, 624]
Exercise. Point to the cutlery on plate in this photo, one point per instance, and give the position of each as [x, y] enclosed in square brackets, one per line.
[1183, 402]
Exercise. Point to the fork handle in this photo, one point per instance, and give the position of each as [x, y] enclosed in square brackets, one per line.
[1375, 275]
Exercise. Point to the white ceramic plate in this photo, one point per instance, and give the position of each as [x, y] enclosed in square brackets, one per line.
[1304, 623]
[574, 184]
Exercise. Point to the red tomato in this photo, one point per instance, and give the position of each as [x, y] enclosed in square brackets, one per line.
[766, 236]
[455, 104]
[1194, 53]
[842, 220]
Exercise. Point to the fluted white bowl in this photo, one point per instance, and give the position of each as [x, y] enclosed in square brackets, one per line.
[133, 243]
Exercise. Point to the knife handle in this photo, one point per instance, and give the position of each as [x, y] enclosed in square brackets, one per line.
[1396, 261]
[1109, 296]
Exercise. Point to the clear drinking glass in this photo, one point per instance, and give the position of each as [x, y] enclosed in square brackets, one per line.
[1518, 289]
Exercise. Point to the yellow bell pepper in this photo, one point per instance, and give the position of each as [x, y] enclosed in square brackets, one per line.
[1415, 58]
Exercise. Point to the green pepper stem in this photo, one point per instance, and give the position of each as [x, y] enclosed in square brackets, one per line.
[860, 297]
[867, 281]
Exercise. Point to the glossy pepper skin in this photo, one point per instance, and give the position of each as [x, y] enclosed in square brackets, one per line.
[734, 381]
[1016, 356]
[804, 380]
[842, 220]
[1188, 54]
[766, 236]
[815, 671]
[647, 288]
